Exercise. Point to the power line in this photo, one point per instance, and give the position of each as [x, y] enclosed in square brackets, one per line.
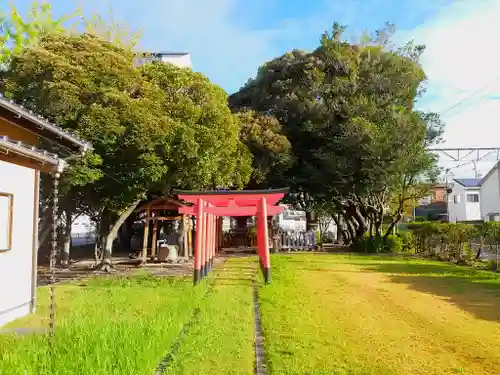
[471, 95]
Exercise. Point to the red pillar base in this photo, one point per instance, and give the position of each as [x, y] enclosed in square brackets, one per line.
[196, 276]
[267, 274]
[204, 270]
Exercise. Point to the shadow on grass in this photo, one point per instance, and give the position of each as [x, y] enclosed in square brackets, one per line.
[477, 292]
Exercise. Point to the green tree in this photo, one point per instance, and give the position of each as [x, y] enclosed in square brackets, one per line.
[18, 32]
[270, 148]
[152, 128]
[348, 112]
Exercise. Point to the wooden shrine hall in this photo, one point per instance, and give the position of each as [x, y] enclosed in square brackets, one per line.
[154, 213]
[208, 206]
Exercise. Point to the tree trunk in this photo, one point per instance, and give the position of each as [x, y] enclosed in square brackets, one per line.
[66, 246]
[391, 228]
[340, 228]
[126, 232]
[480, 249]
[106, 264]
[44, 228]
[371, 228]
[362, 227]
[378, 227]
[103, 230]
[351, 229]
[311, 221]
[180, 238]
[97, 243]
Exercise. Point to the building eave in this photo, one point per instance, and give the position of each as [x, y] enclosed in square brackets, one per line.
[468, 187]
[490, 172]
[44, 126]
[43, 160]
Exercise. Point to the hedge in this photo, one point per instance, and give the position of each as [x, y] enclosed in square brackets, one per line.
[454, 241]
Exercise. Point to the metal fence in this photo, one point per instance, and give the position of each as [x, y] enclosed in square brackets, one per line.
[285, 241]
[80, 239]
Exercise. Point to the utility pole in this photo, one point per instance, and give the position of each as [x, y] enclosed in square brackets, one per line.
[447, 194]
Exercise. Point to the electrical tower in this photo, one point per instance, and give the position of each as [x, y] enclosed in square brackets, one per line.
[462, 156]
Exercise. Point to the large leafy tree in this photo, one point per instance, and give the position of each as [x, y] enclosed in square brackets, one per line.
[152, 128]
[270, 149]
[348, 111]
[19, 31]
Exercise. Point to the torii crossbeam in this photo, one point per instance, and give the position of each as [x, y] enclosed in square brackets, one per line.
[209, 205]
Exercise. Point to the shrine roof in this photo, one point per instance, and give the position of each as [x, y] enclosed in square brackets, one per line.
[232, 192]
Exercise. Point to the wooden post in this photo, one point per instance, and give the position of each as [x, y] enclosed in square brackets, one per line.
[199, 241]
[145, 240]
[153, 244]
[212, 240]
[204, 245]
[209, 243]
[185, 235]
[217, 235]
[190, 236]
[221, 235]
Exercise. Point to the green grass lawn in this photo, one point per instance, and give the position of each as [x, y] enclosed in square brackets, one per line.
[360, 315]
[222, 340]
[323, 314]
[126, 326]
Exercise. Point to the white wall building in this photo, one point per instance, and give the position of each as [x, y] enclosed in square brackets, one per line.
[180, 59]
[464, 202]
[292, 220]
[20, 166]
[490, 195]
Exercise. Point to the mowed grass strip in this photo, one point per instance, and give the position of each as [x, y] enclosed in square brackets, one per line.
[104, 326]
[330, 314]
[221, 341]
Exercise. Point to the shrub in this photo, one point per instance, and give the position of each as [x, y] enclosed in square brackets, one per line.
[393, 244]
[407, 241]
[366, 244]
[453, 241]
[492, 265]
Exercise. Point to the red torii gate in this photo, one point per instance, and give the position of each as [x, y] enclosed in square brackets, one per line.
[209, 205]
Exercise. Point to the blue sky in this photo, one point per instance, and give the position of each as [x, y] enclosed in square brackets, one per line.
[229, 39]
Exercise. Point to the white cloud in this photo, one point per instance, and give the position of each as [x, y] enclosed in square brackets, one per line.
[462, 56]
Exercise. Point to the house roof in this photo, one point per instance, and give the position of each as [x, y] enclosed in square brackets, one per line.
[490, 172]
[469, 182]
[163, 203]
[163, 53]
[44, 159]
[25, 118]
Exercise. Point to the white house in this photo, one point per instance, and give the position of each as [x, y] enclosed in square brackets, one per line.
[464, 201]
[180, 59]
[490, 195]
[20, 166]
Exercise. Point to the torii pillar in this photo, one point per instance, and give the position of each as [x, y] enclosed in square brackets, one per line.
[208, 206]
